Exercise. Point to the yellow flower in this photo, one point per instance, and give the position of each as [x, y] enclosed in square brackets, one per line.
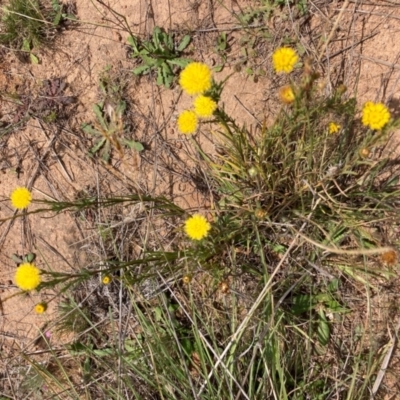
[40, 308]
[204, 106]
[187, 122]
[284, 59]
[21, 197]
[364, 152]
[375, 115]
[195, 78]
[197, 227]
[106, 279]
[286, 94]
[333, 127]
[186, 279]
[27, 277]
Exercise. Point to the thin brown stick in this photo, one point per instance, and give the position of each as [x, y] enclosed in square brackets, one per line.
[333, 30]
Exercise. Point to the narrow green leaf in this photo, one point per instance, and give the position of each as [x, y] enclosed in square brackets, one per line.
[88, 128]
[26, 46]
[132, 144]
[156, 36]
[57, 18]
[141, 70]
[150, 61]
[134, 43]
[160, 77]
[302, 303]
[99, 114]
[184, 43]
[180, 62]
[34, 59]
[16, 259]
[97, 146]
[323, 330]
[106, 152]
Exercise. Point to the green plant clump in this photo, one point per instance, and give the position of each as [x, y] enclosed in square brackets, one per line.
[242, 299]
[110, 130]
[27, 24]
[159, 54]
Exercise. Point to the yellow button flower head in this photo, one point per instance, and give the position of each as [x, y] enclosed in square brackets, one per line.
[21, 197]
[195, 78]
[197, 227]
[106, 279]
[333, 128]
[204, 106]
[375, 115]
[40, 308]
[187, 122]
[284, 59]
[27, 277]
[286, 94]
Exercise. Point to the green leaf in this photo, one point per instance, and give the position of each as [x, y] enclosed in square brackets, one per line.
[121, 107]
[180, 62]
[336, 307]
[141, 70]
[158, 313]
[187, 346]
[168, 75]
[99, 114]
[156, 36]
[16, 259]
[134, 43]
[150, 61]
[323, 330]
[106, 152]
[221, 42]
[168, 42]
[103, 352]
[184, 43]
[34, 59]
[97, 146]
[30, 257]
[392, 182]
[333, 285]
[26, 46]
[87, 128]
[302, 303]
[218, 68]
[160, 78]
[132, 144]
[57, 18]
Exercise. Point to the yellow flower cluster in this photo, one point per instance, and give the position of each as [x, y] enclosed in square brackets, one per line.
[375, 115]
[286, 94]
[284, 59]
[197, 227]
[27, 277]
[187, 122]
[334, 128]
[40, 308]
[195, 78]
[20, 198]
[204, 106]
